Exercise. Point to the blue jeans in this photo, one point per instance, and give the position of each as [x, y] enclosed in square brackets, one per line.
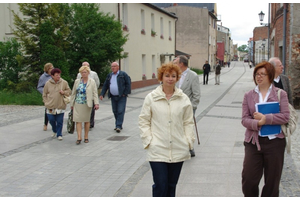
[118, 106]
[56, 122]
[165, 177]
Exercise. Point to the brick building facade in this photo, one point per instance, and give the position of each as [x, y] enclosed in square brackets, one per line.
[285, 42]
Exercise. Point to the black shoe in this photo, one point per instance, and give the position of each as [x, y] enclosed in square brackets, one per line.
[192, 152]
[118, 130]
[91, 126]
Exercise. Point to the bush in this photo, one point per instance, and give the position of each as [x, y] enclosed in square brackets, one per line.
[22, 98]
[198, 71]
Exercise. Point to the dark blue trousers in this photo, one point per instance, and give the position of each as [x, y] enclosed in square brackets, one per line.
[165, 177]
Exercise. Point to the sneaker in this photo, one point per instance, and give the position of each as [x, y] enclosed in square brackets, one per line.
[53, 135]
[118, 130]
[59, 138]
[192, 152]
[45, 128]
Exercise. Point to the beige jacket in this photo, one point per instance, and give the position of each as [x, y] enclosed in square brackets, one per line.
[51, 96]
[166, 126]
[91, 92]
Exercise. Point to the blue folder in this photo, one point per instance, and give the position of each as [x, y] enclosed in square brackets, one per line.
[268, 108]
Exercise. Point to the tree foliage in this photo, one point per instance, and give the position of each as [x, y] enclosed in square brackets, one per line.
[243, 48]
[11, 67]
[95, 37]
[31, 29]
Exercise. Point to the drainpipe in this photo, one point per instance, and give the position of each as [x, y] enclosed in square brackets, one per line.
[284, 37]
[119, 20]
[175, 36]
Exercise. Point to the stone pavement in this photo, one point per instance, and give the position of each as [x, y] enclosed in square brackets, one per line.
[113, 164]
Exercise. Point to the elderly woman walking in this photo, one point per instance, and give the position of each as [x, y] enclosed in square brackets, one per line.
[54, 91]
[84, 92]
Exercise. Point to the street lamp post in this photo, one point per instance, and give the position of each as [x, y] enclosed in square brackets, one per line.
[261, 19]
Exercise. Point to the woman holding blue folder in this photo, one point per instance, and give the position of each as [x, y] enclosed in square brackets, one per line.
[264, 154]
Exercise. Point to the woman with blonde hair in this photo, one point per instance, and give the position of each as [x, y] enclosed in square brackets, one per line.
[42, 81]
[84, 92]
[166, 126]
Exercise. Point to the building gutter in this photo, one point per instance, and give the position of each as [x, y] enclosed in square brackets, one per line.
[284, 37]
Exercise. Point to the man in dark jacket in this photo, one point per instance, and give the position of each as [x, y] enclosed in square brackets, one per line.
[118, 84]
[206, 70]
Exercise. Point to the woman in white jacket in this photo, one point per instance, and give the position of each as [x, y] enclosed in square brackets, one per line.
[166, 124]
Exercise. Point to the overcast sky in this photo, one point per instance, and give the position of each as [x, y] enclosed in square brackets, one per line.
[241, 17]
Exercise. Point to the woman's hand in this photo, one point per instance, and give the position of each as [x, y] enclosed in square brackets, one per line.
[260, 117]
[96, 106]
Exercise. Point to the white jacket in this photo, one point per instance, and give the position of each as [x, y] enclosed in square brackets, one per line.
[167, 126]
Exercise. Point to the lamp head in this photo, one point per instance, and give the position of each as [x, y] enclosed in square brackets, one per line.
[261, 16]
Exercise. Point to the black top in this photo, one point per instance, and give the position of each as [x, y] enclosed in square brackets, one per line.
[279, 84]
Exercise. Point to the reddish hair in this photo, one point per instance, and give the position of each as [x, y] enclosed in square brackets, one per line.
[169, 67]
[55, 71]
[269, 69]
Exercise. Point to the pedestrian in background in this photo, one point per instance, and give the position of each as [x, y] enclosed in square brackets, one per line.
[53, 97]
[217, 73]
[84, 97]
[118, 85]
[94, 76]
[264, 155]
[40, 87]
[206, 70]
[280, 80]
[189, 84]
[250, 64]
[167, 115]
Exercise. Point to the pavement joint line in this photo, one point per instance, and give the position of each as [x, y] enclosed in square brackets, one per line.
[227, 106]
[222, 116]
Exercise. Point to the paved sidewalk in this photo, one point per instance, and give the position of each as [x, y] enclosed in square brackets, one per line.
[113, 164]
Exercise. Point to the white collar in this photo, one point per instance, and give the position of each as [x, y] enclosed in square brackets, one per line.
[277, 79]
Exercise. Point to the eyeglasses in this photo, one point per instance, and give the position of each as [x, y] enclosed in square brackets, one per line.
[261, 75]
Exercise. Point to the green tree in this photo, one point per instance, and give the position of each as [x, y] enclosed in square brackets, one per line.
[95, 37]
[11, 69]
[29, 29]
[243, 48]
[50, 52]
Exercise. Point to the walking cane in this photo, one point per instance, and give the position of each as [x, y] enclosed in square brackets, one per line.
[196, 130]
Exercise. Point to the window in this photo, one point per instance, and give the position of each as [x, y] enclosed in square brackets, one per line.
[154, 71]
[152, 22]
[125, 14]
[142, 19]
[125, 63]
[161, 27]
[170, 30]
[144, 64]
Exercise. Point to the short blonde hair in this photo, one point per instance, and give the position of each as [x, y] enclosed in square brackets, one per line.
[169, 67]
[82, 68]
[47, 66]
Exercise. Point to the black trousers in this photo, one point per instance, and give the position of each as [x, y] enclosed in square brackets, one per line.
[46, 118]
[268, 162]
[205, 77]
[165, 177]
[92, 119]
